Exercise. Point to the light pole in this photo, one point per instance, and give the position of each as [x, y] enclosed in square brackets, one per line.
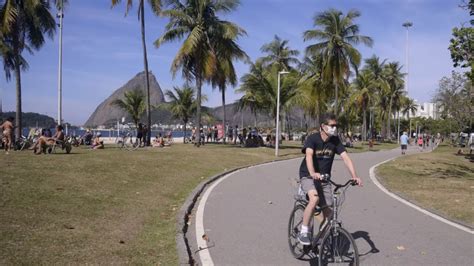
[407, 25]
[60, 15]
[278, 114]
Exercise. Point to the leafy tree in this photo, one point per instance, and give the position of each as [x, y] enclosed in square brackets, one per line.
[337, 34]
[227, 50]
[24, 24]
[182, 104]
[133, 103]
[455, 99]
[363, 96]
[394, 78]
[197, 22]
[279, 54]
[462, 44]
[313, 96]
[156, 7]
[260, 85]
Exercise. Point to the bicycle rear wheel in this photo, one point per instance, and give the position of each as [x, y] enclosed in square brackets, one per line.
[338, 247]
[294, 226]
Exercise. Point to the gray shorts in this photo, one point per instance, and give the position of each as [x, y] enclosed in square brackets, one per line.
[324, 190]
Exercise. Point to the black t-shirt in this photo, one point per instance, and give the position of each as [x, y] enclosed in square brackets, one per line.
[323, 153]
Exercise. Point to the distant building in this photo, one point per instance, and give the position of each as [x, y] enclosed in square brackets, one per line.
[427, 110]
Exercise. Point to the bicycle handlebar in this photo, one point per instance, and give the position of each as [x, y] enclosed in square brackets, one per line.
[326, 178]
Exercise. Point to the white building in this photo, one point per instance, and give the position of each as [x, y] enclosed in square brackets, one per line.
[427, 110]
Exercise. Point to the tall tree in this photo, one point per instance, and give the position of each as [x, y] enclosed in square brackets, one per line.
[24, 24]
[313, 95]
[156, 7]
[197, 22]
[227, 50]
[337, 33]
[133, 103]
[279, 54]
[393, 75]
[182, 104]
[260, 84]
[363, 97]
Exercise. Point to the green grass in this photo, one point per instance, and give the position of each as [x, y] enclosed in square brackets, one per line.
[440, 180]
[106, 206]
[378, 146]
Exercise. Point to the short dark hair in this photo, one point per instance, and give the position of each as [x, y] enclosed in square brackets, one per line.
[326, 117]
[60, 127]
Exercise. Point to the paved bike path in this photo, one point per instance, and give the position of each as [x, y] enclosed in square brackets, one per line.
[246, 218]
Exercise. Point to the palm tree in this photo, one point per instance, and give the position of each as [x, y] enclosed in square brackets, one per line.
[363, 96]
[227, 50]
[182, 104]
[197, 22]
[279, 54]
[312, 96]
[375, 67]
[156, 7]
[337, 33]
[24, 24]
[394, 77]
[133, 103]
[260, 85]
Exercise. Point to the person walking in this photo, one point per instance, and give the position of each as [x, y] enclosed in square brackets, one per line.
[404, 142]
[420, 143]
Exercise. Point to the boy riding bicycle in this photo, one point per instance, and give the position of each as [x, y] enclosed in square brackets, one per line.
[320, 149]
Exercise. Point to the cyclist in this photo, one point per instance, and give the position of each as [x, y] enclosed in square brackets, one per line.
[320, 149]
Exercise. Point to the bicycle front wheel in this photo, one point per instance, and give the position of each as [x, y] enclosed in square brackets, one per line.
[338, 247]
[294, 226]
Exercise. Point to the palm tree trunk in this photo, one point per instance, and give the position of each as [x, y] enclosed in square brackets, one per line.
[18, 115]
[337, 92]
[364, 124]
[389, 117]
[198, 108]
[147, 78]
[222, 89]
[184, 138]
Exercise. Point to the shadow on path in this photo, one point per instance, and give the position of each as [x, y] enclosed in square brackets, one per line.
[364, 235]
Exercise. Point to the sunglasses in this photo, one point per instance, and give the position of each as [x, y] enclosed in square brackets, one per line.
[332, 125]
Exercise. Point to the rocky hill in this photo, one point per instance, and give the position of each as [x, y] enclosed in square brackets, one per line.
[108, 114]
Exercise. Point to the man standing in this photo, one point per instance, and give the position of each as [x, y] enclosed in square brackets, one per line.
[404, 142]
[320, 149]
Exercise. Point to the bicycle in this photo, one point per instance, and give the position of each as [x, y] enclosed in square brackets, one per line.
[128, 141]
[331, 242]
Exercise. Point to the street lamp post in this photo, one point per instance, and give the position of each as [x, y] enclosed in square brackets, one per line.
[278, 114]
[407, 25]
[60, 15]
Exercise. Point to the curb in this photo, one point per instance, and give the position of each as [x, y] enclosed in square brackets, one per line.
[411, 203]
[185, 256]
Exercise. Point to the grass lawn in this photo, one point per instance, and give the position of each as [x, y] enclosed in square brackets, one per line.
[106, 206]
[440, 180]
[378, 146]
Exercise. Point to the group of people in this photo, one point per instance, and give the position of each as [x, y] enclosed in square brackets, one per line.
[422, 141]
[233, 135]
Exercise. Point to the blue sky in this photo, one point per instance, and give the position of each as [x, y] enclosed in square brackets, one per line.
[102, 48]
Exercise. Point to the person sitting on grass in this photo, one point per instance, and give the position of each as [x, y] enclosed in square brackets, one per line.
[159, 141]
[97, 143]
[7, 127]
[43, 141]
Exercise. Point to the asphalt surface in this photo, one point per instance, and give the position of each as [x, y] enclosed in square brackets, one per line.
[246, 219]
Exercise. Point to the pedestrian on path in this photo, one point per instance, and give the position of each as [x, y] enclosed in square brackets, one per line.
[320, 149]
[420, 143]
[404, 142]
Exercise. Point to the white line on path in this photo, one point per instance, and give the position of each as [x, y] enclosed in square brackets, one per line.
[204, 254]
[432, 215]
